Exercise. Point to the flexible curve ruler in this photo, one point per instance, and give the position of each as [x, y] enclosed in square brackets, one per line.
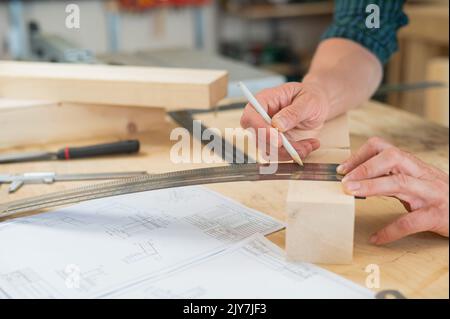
[210, 175]
[232, 173]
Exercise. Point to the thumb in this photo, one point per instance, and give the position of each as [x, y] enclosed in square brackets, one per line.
[415, 222]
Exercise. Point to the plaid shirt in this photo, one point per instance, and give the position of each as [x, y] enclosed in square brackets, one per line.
[350, 22]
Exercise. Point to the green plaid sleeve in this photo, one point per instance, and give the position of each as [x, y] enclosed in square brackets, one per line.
[350, 22]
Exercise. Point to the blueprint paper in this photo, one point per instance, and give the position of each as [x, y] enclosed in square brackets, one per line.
[99, 247]
[253, 269]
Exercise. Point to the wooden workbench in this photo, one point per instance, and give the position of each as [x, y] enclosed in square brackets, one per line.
[416, 266]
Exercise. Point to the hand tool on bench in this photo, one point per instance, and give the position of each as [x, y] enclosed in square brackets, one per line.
[67, 153]
[16, 181]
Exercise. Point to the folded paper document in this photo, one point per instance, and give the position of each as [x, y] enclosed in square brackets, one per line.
[174, 243]
[252, 269]
[98, 247]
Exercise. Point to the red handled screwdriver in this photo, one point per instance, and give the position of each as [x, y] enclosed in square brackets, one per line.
[67, 153]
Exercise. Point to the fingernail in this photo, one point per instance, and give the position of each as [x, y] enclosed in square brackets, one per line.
[347, 178]
[373, 239]
[352, 186]
[280, 123]
[341, 169]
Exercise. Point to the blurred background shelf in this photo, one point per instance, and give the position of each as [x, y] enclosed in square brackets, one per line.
[289, 10]
[265, 42]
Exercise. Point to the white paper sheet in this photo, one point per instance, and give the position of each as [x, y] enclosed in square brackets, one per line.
[252, 269]
[99, 247]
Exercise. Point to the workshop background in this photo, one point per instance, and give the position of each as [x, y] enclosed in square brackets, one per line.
[276, 37]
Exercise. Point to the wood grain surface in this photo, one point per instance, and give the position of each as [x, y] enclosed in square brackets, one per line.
[417, 266]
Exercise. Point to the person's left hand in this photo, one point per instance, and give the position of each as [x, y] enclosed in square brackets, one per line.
[380, 169]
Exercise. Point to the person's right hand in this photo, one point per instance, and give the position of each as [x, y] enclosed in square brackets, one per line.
[292, 106]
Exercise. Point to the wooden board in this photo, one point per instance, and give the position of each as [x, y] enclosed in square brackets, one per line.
[320, 223]
[170, 88]
[418, 44]
[437, 99]
[320, 218]
[331, 135]
[36, 122]
[417, 266]
[271, 11]
[331, 138]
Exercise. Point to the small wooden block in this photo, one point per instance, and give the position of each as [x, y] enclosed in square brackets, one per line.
[46, 122]
[320, 223]
[334, 134]
[320, 216]
[170, 88]
[328, 156]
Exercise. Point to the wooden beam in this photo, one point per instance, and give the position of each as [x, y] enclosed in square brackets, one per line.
[424, 20]
[170, 88]
[437, 99]
[271, 11]
[46, 122]
[320, 216]
[332, 135]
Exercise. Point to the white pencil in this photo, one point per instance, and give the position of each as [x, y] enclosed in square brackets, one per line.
[258, 107]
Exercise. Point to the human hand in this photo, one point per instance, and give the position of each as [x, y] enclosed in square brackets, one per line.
[292, 106]
[380, 169]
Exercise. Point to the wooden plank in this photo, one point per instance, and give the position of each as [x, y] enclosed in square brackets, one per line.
[330, 135]
[418, 43]
[320, 223]
[417, 265]
[61, 122]
[320, 216]
[419, 52]
[424, 20]
[171, 88]
[437, 99]
[328, 156]
[270, 11]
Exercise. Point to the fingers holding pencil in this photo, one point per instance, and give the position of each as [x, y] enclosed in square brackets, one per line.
[262, 112]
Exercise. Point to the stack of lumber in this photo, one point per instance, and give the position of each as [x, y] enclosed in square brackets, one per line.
[72, 101]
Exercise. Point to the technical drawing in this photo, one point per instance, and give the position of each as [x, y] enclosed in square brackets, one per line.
[26, 284]
[119, 242]
[146, 249]
[87, 280]
[229, 225]
[161, 293]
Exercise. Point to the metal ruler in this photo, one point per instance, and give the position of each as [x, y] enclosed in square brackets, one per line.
[222, 174]
[229, 153]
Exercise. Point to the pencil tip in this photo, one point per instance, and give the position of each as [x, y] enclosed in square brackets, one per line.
[298, 160]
